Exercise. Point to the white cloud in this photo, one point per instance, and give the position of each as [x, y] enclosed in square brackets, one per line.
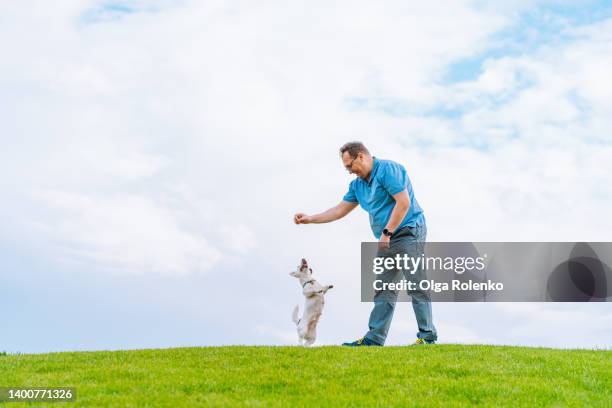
[123, 233]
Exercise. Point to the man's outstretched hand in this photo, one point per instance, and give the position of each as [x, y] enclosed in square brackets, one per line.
[301, 218]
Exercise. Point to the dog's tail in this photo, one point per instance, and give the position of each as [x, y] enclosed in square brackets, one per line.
[294, 316]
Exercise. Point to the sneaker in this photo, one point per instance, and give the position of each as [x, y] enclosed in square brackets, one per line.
[421, 342]
[361, 342]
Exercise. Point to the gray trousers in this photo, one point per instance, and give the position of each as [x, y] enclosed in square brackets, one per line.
[410, 240]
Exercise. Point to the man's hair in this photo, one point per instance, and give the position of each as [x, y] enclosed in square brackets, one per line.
[353, 149]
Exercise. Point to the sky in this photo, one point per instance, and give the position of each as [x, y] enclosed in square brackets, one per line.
[154, 153]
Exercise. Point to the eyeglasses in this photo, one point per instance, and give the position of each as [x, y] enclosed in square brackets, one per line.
[349, 166]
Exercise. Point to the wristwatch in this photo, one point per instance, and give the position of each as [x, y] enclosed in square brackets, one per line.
[387, 233]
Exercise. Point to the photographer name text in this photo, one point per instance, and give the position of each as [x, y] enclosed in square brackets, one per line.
[426, 285]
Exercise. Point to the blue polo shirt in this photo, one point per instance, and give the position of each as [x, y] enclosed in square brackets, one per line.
[376, 195]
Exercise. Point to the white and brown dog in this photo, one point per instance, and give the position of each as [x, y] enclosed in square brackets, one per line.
[313, 307]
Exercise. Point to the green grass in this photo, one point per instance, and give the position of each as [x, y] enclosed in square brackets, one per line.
[440, 375]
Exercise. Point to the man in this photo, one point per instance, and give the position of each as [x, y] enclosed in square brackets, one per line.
[383, 189]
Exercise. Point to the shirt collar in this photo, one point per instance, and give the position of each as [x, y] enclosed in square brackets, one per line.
[373, 172]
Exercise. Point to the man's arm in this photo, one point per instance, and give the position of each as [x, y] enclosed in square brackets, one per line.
[402, 205]
[333, 214]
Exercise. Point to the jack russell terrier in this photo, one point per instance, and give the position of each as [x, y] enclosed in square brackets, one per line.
[314, 293]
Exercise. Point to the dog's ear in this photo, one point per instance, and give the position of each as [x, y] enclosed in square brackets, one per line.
[310, 270]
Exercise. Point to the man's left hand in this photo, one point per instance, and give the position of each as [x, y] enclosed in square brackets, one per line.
[383, 243]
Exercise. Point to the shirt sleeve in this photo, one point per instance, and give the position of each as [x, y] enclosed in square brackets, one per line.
[393, 178]
[350, 195]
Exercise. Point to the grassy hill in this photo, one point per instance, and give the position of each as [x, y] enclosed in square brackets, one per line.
[440, 375]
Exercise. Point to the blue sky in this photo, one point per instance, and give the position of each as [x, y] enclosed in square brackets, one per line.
[544, 25]
[155, 152]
